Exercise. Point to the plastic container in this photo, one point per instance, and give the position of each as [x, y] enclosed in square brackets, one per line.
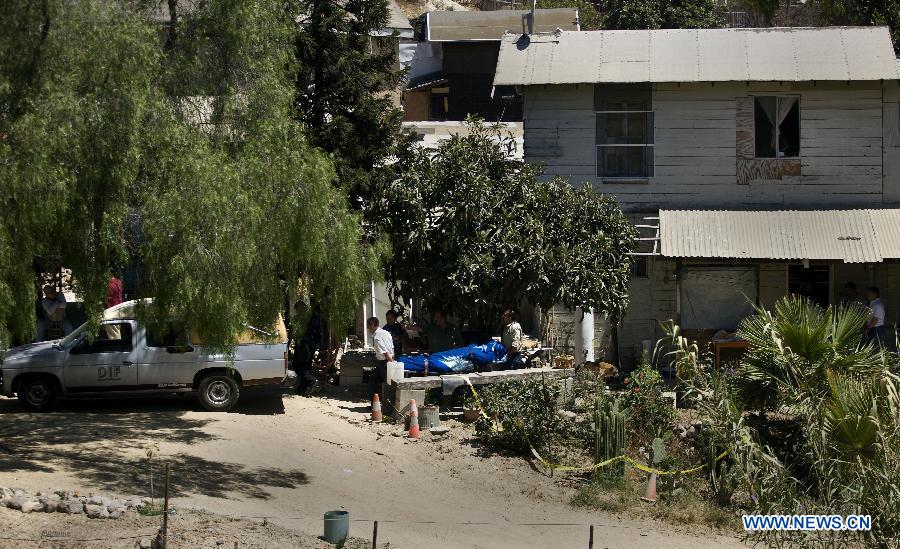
[394, 371]
[337, 526]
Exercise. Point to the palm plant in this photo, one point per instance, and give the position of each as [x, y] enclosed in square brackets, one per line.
[795, 348]
[810, 366]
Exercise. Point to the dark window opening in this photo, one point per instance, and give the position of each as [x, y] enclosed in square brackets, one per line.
[776, 123]
[811, 282]
[640, 267]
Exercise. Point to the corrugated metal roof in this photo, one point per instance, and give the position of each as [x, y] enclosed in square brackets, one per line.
[455, 26]
[887, 230]
[698, 55]
[851, 236]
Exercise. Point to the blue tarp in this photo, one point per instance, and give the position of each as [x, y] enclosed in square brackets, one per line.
[461, 359]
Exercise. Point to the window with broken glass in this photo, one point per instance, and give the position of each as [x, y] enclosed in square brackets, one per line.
[624, 131]
[776, 126]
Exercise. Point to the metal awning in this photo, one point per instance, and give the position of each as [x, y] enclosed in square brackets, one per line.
[851, 236]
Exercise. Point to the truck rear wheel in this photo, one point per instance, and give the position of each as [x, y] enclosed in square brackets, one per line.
[38, 393]
[218, 392]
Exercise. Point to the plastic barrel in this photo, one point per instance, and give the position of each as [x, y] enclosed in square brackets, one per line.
[337, 526]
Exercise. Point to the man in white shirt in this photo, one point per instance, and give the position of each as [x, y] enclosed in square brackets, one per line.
[383, 342]
[875, 324]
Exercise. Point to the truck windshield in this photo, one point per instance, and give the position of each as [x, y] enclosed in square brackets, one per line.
[76, 334]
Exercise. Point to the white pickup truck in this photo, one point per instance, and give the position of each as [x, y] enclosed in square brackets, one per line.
[127, 357]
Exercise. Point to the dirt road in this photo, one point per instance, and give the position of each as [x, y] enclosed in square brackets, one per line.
[291, 459]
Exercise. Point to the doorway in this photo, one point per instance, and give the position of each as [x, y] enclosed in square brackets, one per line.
[812, 282]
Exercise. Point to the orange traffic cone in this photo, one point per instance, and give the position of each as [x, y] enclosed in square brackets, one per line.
[650, 493]
[413, 419]
[376, 408]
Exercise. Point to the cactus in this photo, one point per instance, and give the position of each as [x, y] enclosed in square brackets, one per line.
[609, 436]
[657, 451]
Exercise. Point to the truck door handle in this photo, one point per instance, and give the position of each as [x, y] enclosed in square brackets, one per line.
[127, 362]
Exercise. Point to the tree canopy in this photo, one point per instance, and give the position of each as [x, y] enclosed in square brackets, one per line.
[661, 14]
[108, 132]
[346, 71]
[474, 230]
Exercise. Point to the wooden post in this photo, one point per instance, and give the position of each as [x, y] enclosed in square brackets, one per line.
[591, 538]
[165, 532]
[375, 536]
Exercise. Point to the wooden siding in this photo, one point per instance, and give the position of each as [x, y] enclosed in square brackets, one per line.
[891, 159]
[843, 146]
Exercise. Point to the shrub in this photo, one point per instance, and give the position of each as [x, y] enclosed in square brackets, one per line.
[519, 413]
[806, 366]
[648, 412]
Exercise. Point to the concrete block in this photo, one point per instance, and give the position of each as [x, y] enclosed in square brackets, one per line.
[400, 398]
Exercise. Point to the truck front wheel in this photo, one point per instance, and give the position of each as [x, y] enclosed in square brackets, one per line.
[38, 393]
[218, 392]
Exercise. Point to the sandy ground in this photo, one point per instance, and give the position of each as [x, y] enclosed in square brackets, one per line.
[287, 460]
[188, 529]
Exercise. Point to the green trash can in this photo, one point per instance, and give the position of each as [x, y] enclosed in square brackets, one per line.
[337, 526]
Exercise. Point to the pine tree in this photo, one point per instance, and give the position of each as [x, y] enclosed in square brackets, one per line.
[346, 73]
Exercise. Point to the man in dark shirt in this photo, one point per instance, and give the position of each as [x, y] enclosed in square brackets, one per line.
[441, 334]
[398, 333]
[305, 348]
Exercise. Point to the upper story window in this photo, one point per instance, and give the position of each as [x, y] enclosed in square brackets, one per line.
[624, 131]
[776, 126]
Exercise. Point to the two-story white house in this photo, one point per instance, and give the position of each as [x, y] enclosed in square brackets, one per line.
[759, 162]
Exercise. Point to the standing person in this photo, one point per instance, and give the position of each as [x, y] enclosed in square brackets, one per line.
[875, 324]
[512, 340]
[114, 292]
[384, 353]
[54, 324]
[398, 333]
[851, 296]
[441, 334]
[305, 349]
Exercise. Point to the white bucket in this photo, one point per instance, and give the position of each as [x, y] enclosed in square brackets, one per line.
[394, 371]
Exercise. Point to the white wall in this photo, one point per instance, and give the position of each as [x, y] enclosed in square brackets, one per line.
[842, 152]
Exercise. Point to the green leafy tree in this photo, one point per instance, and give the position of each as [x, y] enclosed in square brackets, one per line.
[344, 78]
[661, 14]
[864, 12]
[193, 143]
[474, 230]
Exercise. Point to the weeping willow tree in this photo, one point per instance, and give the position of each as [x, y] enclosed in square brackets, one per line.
[179, 135]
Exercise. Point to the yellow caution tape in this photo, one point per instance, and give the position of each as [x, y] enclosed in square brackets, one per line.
[558, 467]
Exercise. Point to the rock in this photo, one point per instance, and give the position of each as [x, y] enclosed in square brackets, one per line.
[75, 507]
[439, 431]
[568, 414]
[146, 501]
[96, 511]
[134, 502]
[16, 503]
[30, 506]
[144, 544]
[115, 514]
[95, 500]
[50, 506]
